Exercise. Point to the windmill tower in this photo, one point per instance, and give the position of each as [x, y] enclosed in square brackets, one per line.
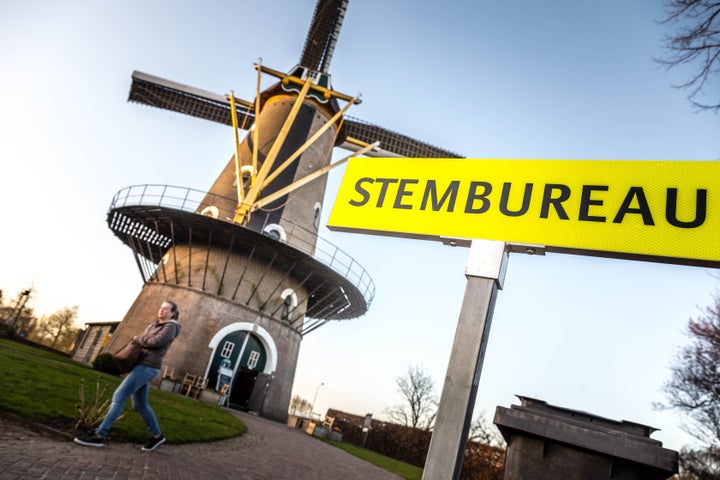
[244, 260]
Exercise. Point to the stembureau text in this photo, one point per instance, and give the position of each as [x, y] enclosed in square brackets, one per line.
[478, 198]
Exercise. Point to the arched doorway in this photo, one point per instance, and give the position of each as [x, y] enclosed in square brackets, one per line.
[243, 359]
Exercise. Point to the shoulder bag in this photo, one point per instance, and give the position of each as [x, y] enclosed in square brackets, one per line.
[127, 356]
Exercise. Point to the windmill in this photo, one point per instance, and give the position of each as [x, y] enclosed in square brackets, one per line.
[244, 260]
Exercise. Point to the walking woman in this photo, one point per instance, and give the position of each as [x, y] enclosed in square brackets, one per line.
[155, 342]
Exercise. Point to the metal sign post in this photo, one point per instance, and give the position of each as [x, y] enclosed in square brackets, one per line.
[485, 272]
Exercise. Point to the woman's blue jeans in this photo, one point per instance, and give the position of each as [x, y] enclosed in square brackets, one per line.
[136, 385]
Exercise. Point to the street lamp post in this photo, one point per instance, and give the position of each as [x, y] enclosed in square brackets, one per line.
[312, 406]
[15, 314]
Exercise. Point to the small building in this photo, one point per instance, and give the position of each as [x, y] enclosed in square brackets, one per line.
[92, 339]
[550, 442]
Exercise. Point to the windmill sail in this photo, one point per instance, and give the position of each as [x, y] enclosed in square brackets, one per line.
[323, 34]
[161, 93]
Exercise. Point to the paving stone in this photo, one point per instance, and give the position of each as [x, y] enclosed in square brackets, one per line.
[268, 450]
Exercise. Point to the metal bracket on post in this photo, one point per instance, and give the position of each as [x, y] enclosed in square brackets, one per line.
[485, 272]
[487, 259]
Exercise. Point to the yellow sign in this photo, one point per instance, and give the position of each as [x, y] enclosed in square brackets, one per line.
[667, 211]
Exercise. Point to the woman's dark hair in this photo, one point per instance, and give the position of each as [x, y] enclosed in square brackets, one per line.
[175, 310]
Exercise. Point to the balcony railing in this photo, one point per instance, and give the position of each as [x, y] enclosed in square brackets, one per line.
[196, 201]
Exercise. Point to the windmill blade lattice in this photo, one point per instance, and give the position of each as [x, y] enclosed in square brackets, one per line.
[323, 34]
[161, 93]
[168, 95]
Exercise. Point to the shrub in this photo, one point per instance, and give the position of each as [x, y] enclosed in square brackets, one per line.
[93, 408]
[483, 462]
[7, 332]
[106, 363]
[410, 445]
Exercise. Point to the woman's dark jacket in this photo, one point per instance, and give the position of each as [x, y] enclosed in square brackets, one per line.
[155, 341]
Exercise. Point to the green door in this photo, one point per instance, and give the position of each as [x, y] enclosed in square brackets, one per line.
[238, 359]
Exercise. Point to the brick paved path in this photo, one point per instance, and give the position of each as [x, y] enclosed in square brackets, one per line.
[267, 450]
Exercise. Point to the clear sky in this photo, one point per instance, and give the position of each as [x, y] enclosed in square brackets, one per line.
[565, 79]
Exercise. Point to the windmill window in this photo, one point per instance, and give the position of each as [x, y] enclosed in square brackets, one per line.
[227, 350]
[275, 231]
[211, 211]
[289, 303]
[253, 359]
[318, 213]
[247, 172]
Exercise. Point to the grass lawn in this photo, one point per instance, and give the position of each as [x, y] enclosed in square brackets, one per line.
[44, 387]
[405, 470]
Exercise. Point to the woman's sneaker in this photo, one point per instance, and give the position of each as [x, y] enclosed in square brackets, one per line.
[153, 443]
[90, 440]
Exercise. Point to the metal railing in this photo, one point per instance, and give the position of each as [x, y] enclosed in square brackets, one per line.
[199, 202]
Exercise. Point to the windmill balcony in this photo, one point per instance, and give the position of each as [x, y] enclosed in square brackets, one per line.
[151, 219]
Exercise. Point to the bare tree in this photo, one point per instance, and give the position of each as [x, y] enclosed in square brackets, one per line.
[695, 39]
[483, 431]
[25, 322]
[57, 330]
[699, 465]
[13, 312]
[16, 316]
[694, 390]
[419, 406]
[299, 405]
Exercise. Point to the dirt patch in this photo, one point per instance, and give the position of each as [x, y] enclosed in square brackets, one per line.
[63, 428]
